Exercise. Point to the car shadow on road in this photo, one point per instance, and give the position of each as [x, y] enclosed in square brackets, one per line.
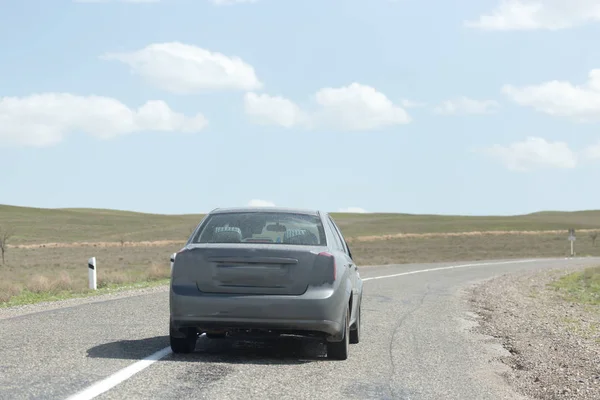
[283, 350]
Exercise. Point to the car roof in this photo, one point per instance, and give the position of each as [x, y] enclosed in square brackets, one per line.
[266, 209]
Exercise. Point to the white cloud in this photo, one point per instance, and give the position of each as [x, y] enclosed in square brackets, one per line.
[216, 2]
[356, 210]
[533, 153]
[357, 107]
[230, 2]
[538, 14]
[273, 110]
[260, 203]
[116, 1]
[560, 98]
[464, 105]
[45, 119]
[183, 69]
[350, 108]
[412, 104]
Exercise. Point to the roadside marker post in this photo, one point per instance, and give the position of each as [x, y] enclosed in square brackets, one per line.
[92, 273]
[572, 239]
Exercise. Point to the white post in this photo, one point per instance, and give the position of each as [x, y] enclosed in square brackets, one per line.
[572, 253]
[92, 272]
[572, 240]
[173, 260]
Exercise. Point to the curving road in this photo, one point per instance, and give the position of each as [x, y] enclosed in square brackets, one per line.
[415, 345]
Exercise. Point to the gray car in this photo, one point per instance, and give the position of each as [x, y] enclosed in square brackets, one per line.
[266, 271]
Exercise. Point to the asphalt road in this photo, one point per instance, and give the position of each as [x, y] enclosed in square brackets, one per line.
[415, 345]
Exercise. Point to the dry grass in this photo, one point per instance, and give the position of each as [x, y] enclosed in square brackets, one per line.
[464, 234]
[123, 244]
[55, 270]
[45, 284]
[50, 249]
[439, 248]
[8, 290]
[35, 226]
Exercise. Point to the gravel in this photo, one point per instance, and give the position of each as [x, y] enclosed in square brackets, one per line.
[554, 344]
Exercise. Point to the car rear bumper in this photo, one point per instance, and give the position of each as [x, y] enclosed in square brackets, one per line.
[329, 328]
[318, 310]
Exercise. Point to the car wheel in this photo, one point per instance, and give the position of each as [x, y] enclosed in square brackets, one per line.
[185, 344]
[355, 332]
[339, 350]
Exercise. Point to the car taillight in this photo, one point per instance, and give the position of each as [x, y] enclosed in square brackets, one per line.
[326, 254]
[174, 256]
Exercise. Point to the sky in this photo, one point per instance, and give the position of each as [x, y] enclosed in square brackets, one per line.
[413, 106]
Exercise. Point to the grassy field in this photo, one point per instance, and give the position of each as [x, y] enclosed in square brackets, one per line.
[46, 258]
[33, 225]
[580, 287]
[32, 273]
[583, 288]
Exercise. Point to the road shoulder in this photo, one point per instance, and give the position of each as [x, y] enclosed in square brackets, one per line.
[28, 309]
[553, 344]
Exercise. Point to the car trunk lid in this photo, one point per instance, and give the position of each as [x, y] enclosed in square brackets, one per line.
[260, 269]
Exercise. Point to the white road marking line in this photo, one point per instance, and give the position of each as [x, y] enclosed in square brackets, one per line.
[450, 267]
[106, 384]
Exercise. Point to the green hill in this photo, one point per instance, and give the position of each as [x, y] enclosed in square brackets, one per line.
[38, 225]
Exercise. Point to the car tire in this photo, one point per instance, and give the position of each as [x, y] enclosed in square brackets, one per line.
[355, 332]
[339, 350]
[183, 345]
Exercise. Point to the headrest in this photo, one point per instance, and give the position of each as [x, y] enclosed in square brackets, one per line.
[227, 234]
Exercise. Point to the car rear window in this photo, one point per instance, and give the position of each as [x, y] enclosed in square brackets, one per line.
[262, 227]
